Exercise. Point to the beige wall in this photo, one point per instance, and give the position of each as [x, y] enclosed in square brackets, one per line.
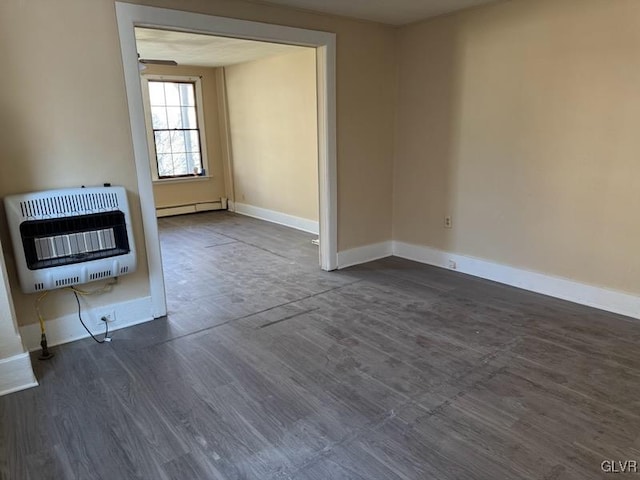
[521, 121]
[365, 77]
[172, 193]
[274, 133]
[64, 118]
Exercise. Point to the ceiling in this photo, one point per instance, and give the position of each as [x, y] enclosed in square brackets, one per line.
[393, 12]
[204, 50]
[210, 51]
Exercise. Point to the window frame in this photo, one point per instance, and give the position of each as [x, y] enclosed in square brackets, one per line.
[151, 144]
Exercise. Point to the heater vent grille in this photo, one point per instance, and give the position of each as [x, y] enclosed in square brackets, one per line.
[99, 275]
[69, 205]
[124, 270]
[64, 282]
[38, 286]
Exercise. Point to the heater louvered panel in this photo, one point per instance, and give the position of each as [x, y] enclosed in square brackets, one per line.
[67, 237]
[65, 282]
[69, 205]
[100, 275]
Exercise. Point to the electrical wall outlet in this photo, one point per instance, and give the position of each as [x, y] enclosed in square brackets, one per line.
[448, 223]
[110, 315]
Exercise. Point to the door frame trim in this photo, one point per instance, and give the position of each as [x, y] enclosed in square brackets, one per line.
[130, 16]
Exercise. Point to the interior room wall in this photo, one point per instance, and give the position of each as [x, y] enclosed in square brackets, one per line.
[211, 189]
[273, 125]
[365, 77]
[67, 127]
[70, 126]
[520, 119]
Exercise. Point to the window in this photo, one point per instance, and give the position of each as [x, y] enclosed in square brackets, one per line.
[175, 126]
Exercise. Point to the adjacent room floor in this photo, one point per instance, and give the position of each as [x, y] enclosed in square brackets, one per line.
[268, 368]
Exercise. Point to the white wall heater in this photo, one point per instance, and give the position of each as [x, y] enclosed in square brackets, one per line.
[71, 236]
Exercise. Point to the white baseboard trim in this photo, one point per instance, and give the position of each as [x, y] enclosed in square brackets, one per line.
[558, 287]
[598, 297]
[368, 253]
[16, 374]
[68, 328]
[298, 223]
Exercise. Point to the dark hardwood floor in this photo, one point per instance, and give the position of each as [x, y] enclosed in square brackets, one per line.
[268, 368]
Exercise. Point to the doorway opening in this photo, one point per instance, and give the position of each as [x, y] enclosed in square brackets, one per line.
[231, 124]
[132, 16]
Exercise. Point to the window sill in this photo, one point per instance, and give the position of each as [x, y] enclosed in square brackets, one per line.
[195, 178]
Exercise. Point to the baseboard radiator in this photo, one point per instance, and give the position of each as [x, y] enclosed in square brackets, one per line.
[172, 210]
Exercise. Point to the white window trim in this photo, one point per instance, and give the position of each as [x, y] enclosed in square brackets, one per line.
[197, 81]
